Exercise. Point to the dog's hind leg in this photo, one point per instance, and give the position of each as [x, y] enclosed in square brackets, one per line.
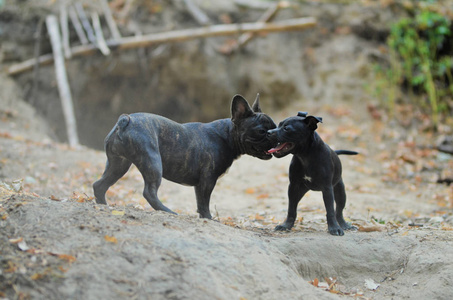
[150, 166]
[340, 201]
[115, 168]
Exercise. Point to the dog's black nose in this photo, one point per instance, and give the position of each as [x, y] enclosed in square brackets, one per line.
[270, 133]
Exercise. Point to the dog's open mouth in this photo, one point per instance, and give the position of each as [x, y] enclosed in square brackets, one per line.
[263, 154]
[281, 148]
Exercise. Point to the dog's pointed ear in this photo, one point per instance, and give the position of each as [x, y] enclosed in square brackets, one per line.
[312, 122]
[240, 108]
[256, 105]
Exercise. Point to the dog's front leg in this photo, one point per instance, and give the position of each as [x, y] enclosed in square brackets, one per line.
[296, 191]
[332, 224]
[203, 193]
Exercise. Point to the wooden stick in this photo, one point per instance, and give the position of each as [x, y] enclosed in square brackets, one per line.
[85, 23]
[77, 25]
[247, 37]
[100, 41]
[37, 52]
[255, 4]
[110, 21]
[65, 30]
[62, 80]
[197, 13]
[177, 36]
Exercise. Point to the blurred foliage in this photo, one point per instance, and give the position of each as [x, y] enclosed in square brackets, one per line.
[421, 62]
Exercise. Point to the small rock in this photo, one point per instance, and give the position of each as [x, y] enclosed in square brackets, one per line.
[436, 220]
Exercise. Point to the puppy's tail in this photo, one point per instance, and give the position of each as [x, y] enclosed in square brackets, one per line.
[346, 152]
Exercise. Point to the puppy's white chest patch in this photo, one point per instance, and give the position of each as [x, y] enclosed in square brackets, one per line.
[307, 178]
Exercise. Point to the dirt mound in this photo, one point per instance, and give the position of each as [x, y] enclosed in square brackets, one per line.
[76, 249]
[60, 244]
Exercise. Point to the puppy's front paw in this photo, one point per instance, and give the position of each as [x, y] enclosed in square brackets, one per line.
[282, 227]
[347, 226]
[336, 231]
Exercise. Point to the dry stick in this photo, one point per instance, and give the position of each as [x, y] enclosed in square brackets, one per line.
[255, 4]
[247, 37]
[37, 52]
[62, 80]
[77, 26]
[197, 13]
[85, 23]
[100, 41]
[177, 36]
[65, 30]
[110, 21]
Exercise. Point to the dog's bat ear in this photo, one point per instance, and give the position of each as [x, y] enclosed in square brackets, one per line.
[256, 105]
[240, 108]
[302, 114]
[312, 122]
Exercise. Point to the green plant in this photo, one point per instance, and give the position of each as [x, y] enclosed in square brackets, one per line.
[420, 62]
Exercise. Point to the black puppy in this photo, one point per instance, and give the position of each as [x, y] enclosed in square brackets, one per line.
[314, 166]
[194, 154]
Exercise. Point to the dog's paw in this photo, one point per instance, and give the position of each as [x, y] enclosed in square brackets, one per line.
[336, 231]
[282, 227]
[348, 226]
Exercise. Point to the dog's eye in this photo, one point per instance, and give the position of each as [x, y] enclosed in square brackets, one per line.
[262, 132]
[285, 128]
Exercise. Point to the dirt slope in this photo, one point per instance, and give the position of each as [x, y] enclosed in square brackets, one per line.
[56, 243]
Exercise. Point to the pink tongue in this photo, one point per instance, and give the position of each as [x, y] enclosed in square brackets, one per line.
[278, 148]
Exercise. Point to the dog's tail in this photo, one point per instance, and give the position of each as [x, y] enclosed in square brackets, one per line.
[119, 127]
[123, 121]
[346, 152]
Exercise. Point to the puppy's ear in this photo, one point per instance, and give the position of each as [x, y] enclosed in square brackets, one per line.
[312, 122]
[302, 114]
[256, 105]
[240, 108]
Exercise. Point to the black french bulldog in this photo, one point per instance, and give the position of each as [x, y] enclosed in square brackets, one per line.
[194, 154]
[314, 166]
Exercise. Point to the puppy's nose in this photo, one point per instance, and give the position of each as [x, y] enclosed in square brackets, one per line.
[270, 133]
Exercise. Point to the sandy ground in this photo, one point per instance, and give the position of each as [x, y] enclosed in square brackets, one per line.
[56, 243]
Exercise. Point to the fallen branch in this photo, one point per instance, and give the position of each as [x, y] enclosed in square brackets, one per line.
[100, 41]
[197, 13]
[270, 13]
[77, 25]
[62, 80]
[85, 23]
[175, 36]
[65, 30]
[110, 21]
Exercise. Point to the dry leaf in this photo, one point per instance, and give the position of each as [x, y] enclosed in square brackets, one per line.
[11, 268]
[371, 228]
[52, 197]
[316, 282]
[250, 191]
[66, 257]
[111, 239]
[262, 196]
[258, 217]
[15, 241]
[37, 276]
